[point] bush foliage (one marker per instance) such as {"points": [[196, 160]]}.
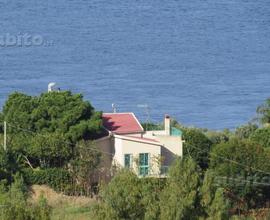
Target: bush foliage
{"points": [[57, 178], [14, 204], [45, 133], [179, 197], [50, 142]]}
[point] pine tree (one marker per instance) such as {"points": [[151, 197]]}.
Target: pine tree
{"points": [[180, 197], [212, 199]]}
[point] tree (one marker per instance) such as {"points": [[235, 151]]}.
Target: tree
{"points": [[217, 137], [1, 123], [60, 112], [43, 130], [85, 163], [50, 149], [263, 112], [197, 145], [9, 164], [14, 204], [151, 189], [180, 197], [245, 131], [240, 165], [213, 200], [122, 198], [262, 137]]}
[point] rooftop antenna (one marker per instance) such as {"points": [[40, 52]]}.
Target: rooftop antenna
{"points": [[114, 108], [51, 86]]}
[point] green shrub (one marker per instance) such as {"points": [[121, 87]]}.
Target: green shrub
{"points": [[151, 189], [197, 145], [262, 137], [121, 199], [57, 178], [42, 211], [14, 205]]}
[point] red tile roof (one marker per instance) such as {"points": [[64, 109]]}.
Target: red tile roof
{"points": [[121, 123]]}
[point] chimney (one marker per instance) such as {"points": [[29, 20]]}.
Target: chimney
{"points": [[167, 125]]}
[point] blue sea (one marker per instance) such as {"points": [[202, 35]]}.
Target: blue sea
{"points": [[204, 62]]}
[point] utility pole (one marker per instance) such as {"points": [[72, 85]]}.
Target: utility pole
{"points": [[5, 135]]}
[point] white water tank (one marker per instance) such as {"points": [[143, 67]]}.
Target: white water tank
{"points": [[52, 87]]}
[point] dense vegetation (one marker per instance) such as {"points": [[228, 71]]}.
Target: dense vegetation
{"points": [[50, 141], [14, 204], [223, 174], [185, 195]]}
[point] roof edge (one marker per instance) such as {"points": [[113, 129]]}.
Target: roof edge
{"points": [[135, 139], [137, 121]]}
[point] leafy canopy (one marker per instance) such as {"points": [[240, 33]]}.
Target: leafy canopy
{"points": [[213, 201], [179, 199], [122, 197], [240, 165], [264, 112], [262, 136], [245, 131], [197, 145], [60, 112], [43, 130]]}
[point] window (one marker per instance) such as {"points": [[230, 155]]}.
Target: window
{"points": [[144, 164], [127, 161]]}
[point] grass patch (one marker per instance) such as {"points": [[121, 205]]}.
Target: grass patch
{"points": [[64, 207], [68, 212]]}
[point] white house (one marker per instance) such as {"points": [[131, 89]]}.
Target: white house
{"points": [[147, 153]]}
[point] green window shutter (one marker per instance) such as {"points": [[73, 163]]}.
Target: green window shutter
{"points": [[144, 164]]}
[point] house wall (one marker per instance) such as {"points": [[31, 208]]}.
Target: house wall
{"points": [[115, 148], [134, 148], [172, 147], [118, 146]]}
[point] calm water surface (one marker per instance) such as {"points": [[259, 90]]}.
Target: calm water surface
{"points": [[204, 62]]}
